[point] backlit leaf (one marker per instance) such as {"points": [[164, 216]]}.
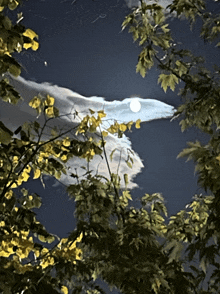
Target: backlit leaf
{"points": [[37, 173], [64, 290], [49, 100], [168, 81], [137, 124], [30, 34]]}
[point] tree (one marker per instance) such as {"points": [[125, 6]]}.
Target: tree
{"points": [[132, 249], [148, 25]]}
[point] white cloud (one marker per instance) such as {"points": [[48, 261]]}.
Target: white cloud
{"points": [[67, 101], [135, 3]]}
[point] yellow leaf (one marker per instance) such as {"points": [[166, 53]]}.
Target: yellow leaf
{"points": [[112, 129], [24, 177], [14, 185], [66, 142], [34, 45], [78, 239], [64, 157], [122, 127], [30, 34], [129, 124], [93, 127], [37, 174], [15, 159], [64, 290], [27, 45], [49, 111], [9, 194], [48, 261], [101, 114], [1, 8], [42, 239], [35, 102], [49, 101], [104, 133], [7, 52], [137, 124], [2, 224], [64, 240], [27, 169], [92, 152], [36, 253], [50, 239]]}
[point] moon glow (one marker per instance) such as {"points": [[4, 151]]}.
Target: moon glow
{"points": [[135, 105]]}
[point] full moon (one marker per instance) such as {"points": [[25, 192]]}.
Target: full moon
{"points": [[135, 105]]}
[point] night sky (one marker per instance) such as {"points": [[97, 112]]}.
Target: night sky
{"points": [[90, 55], [85, 50]]}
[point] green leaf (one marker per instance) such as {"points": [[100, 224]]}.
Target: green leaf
{"points": [[165, 29], [111, 155], [126, 179], [15, 70], [91, 111], [50, 239], [203, 264], [5, 134], [12, 4], [36, 126], [128, 164], [37, 202], [127, 195], [159, 18], [168, 81], [55, 111], [141, 69], [42, 238], [176, 252], [7, 23]]}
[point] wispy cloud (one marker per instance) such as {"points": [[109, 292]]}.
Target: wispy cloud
{"points": [[135, 3], [68, 101]]}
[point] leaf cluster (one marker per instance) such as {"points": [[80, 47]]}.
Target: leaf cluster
{"points": [[194, 233]]}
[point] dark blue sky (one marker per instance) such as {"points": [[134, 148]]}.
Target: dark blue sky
{"points": [[85, 50], [93, 57]]}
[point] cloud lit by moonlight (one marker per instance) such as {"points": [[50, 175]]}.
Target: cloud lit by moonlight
{"points": [[68, 102], [135, 3]]}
